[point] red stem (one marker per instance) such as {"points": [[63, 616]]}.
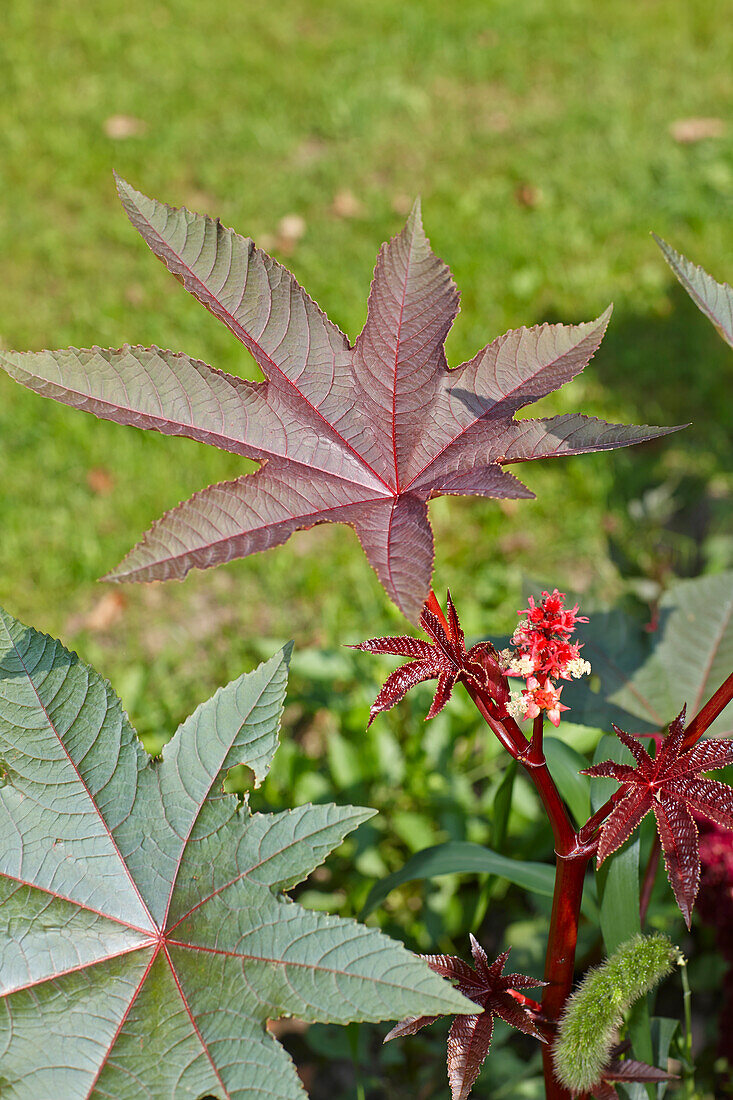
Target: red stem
{"points": [[536, 749], [715, 705], [485, 707], [516, 744], [650, 875], [560, 959]]}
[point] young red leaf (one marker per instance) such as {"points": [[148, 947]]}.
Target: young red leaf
{"points": [[445, 659], [364, 436], [670, 784], [625, 1071], [469, 1038]]}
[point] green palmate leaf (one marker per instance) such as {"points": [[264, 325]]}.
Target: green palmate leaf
{"points": [[461, 857], [144, 938], [641, 680], [714, 299], [693, 652], [364, 434]]}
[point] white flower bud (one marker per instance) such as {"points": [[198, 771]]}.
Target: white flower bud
{"points": [[577, 668], [517, 706]]}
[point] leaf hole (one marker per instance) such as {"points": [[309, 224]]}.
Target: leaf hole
{"points": [[239, 780]]}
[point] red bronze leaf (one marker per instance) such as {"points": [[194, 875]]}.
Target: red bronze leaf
{"points": [[444, 659], [470, 1036], [670, 784]]}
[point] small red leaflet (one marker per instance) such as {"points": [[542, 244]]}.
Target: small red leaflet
{"points": [[623, 1070], [445, 659], [469, 1038], [672, 785]]}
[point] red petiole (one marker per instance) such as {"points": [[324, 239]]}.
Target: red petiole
{"points": [[574, 848]]}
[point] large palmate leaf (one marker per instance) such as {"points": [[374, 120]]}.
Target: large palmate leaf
{"points": [[715, 300], [642, 679], [362, 435], [144, 938]]}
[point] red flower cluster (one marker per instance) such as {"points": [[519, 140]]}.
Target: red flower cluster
{"points": [[543, 651]]}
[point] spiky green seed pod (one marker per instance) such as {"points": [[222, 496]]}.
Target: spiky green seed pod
{"points": [[594, 1013]]}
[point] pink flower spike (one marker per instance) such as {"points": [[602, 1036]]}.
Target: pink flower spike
{"points": [[543, 652]]}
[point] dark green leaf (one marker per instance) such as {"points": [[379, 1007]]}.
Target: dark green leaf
{"points": [[502, 806], [641, 680], [462, 857]]}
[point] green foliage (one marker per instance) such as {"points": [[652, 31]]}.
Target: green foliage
{"points": [[595, 1011], [460, 858], [331, 100], [326, 91]]}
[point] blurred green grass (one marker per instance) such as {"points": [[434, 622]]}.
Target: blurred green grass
{"points": [[541, 138], [542, 146]]}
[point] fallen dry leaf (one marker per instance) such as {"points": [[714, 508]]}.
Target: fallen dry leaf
{"points": [[120, 127], [104, 614], [689, 130], [309, 151], [402, 204], [527, 195], [498, 122], [346, 205], [106, 611], [134, 294], [287, 1025], [289, 231], [100, 481]]}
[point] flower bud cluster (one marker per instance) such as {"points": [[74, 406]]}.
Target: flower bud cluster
{"points": [[543, 653]]}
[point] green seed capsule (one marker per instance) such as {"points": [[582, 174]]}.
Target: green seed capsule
{"points": [[594, 1013]]}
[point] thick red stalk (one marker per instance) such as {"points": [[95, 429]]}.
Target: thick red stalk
{"points": [[560, 959], [715, 705], [649, 876], [536, 751], [572, 860]]}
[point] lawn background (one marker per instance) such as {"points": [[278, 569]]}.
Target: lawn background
{"points": [[545, 142]]}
